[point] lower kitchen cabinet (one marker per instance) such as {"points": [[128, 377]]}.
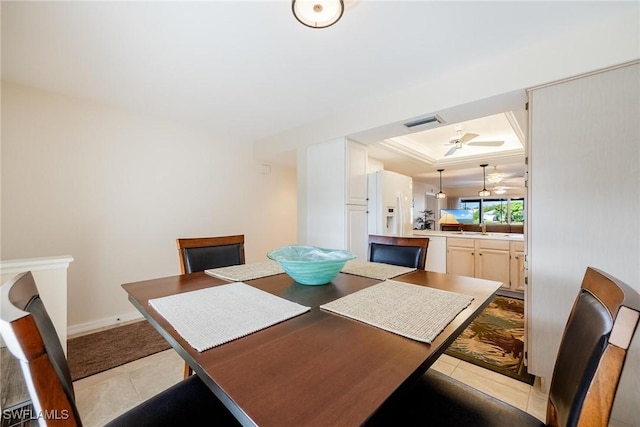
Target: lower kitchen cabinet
{"points": [[517, 266], [461, 257], [487, 259]]}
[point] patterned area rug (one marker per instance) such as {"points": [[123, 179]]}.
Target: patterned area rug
{"points": [[495, 340], [100, 351]]}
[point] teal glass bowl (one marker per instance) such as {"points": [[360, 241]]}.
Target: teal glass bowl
{"points": [[310, 265]]}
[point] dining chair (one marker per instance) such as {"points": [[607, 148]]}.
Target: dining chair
{"points": [[403, 251], [588, 368], [203, 253], [30, 336]]}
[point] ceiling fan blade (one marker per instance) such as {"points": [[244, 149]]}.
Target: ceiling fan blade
{"points": [[487, 143], [451, 151], [468, 137]]}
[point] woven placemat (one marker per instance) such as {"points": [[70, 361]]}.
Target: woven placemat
{"points": [[209, 317], [242, 272], [413, 311], [374, 270]]}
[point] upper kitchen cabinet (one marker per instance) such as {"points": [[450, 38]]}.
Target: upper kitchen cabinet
{"points": [[356, 173]]}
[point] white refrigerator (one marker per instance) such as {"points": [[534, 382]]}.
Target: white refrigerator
{"points": [[390, 199]]}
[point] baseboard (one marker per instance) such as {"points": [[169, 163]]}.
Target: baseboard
{"points": [[108, 322]]}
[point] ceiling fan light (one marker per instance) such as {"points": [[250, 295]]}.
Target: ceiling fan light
{"points": [[484, 193], [499, 190], [317, 13], [496, 176]]}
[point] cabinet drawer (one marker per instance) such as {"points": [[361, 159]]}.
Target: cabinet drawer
{"points": [[461, 243], [517, 246], [493, 244]]}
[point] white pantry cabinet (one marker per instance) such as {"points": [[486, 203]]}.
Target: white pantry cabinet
{"points": [[356, 173], [332, 193]]}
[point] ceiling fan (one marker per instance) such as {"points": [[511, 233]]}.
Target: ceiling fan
{"points": [[460, 140]]}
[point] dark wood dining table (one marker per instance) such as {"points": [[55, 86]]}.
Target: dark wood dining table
{"points": [[316, 369]]}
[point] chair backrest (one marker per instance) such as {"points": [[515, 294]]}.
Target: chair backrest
{"points": [[403, 251], [592, 351], [29, 334], [202, 253]]}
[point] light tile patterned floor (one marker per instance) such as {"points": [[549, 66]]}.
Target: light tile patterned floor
{"points": [[103, 396]]}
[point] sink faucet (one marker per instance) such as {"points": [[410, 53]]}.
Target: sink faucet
{"points": [[484, 227]]}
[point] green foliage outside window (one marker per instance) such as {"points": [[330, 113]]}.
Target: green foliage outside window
{"points": [[495, 211]]}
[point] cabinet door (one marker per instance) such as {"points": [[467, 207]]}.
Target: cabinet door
{"points": [[356, 228], [493, 264], [356, 170], [460, 261], [517, 271]]}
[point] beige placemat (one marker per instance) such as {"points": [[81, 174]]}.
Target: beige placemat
{"points": [[374, 270], [209, 317], [240, 273], [413, 311]]}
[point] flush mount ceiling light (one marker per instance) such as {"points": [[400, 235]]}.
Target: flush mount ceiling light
{"points": [[317, 13], [440, 194], [484, 192], [496, 176]]}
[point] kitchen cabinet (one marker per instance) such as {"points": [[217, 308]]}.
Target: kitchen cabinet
{"points": [[517, 266], [492, 261], [461, 257], [486, 259], [356, 228], [356, 173], [332, 196]]}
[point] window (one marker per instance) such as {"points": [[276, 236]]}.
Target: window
{"points": [[495, 211]]}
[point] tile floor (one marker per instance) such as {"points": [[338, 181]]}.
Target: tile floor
{"points": [[103, 396]]}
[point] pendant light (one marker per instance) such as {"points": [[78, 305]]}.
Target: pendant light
{"points": [[440, 194], [317, 13], [484, 192]]}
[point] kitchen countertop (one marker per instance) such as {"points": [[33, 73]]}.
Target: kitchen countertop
{"points": [[470, 235]]}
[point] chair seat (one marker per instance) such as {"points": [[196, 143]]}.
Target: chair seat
{"points": [[190, 402], [439, 400]]}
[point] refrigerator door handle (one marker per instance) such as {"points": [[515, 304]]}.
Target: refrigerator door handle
{"points": [[400, 216]]}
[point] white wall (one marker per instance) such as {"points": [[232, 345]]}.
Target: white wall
{"points": [[420, 190], [114, 190], [584, 169], [609, 42]]}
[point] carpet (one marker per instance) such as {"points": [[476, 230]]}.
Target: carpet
{"points": [[100, 351], [495, 339]]}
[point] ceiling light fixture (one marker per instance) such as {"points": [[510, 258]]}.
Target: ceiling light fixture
{"points": [[496, 176], [440, 194], [484, 192], [317, 13], [500, 190]]}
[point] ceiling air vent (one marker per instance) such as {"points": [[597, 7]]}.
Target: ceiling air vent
{"points": [[423, 121]]}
